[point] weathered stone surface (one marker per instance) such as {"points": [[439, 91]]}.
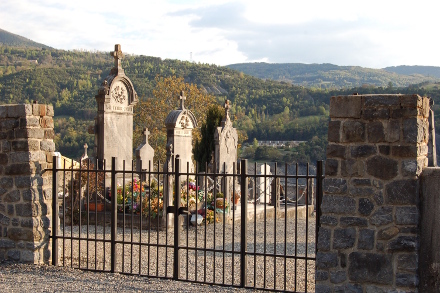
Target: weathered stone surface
{"points": [[338, 204], [329, 220], [392, 130], [13, 255], [370, 267], [331, 167], [413, 130], [47, 145], [321, 275], [382, 167], [402, 192], [405, 113], [24, 210], [346, 107], [334, 129], [353, 222], [336, 151], [6, 243], [360, 182], [338, 277], [361, 191], [13, 196], [322, 288], [352, 167], [8, 124], [374, 114], [18, 169], [4, 220], [407, 280], [407, 262], [403, 243], [353, 131], [407, 215], [6, 182], [349, 288], [362, 151], [337, 186], [366, 206], [344, 238], [37, 133], [17, 234], [324, 239], [326, 260], [374, 289], [404, 151], [411, 101], [387, 233], [381, 100], [343, 259], [375, 132], [385, 150], [378, 198], [412, 167], [382, 216], [366, 239]]}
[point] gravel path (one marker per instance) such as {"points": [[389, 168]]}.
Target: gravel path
{"points": [[158, 262]]}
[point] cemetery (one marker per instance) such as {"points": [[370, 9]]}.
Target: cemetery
{"points": [[264, 226]]}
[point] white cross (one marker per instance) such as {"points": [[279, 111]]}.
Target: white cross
{"points": [[146, 133], [182, 100], [117, 54]]}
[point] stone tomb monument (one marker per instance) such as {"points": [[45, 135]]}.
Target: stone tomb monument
{"points": [[114, 121], [180, 124], [144, 153], [226, 142]]}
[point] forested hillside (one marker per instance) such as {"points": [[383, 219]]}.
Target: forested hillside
{"points": [[329, 76], [432, 71], [261, 109]]}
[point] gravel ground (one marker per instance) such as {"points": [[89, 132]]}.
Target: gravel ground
{"points": [[157, 262]]}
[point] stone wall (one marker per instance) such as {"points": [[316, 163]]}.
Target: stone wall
{"points": [[25, 191], [369, 239]]}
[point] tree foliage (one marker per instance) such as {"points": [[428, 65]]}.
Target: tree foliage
{"points": [[205, 146]]}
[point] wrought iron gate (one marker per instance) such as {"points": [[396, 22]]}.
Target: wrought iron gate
{"points": [[249, 244]]}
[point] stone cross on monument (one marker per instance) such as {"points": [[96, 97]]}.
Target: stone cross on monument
{"points": [[182, 100], [146, 134], [118, 55], [227, 107], [85, 152]]}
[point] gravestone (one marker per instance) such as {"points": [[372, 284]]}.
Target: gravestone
{"points": [[264, 184], [180, 124], [226, 143], [114, 121], [144, 153]]}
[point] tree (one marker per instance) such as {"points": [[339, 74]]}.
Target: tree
{"points": [[151, 112], [203, 149]]}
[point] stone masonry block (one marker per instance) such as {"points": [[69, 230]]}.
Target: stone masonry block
{"points": [[334, 128], [403, 243], [3, 111], [387, 233], [413, 130], [366, 206], [366, 239], [407, 215], [353, 131], [49, 110], [324, 238], [392, 130], [321, 275], [377, 101], [375, 114], [362, 151], [376, 132], [360, 182], [29, 121], [382, 216], [336, 151], [46, 122], [42, 110], [405, 113], [3, 159], [411, 101], [329, 220], [407, 280], [325, 260], [344, 238], [17, 234], [346, 106], [338, 204], [407, 262], [47, 145], [8, 124], [402, 192], [370, 268], [37, 133], [19, 110], [36, 109], [352, 168], [338, 186], [353, 222], [18, 169], [49, 134], [361, 191], [331, 167], [338, 277], [404, 151], [382, 167]]}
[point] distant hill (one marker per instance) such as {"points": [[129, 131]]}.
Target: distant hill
{"points": [[329, 76], [14, 40], [432, 71]]}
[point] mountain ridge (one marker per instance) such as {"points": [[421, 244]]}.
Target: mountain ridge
{"points": [[11, 39]]}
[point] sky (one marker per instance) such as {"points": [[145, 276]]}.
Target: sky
{"points": [[372, 33]]}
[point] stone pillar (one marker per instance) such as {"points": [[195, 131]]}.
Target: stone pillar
{"points": [[368, 240], [26, 189]]}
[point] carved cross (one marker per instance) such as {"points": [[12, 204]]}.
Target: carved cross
{"points": [[85, 150], [117, 54], [227, 107], [182, 100], [146, 133]]}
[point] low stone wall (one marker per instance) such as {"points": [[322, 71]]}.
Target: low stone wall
{"points": [[369, 239], [26, 134]]}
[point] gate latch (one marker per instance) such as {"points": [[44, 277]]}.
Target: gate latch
{"points": [[182, 210]]}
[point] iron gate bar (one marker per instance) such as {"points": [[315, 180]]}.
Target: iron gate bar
{"points": [[296, 222], [55, 213], [176, 263], [255, 226], [114, 217], [307, 222], [285, 225], [243, 262]]}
